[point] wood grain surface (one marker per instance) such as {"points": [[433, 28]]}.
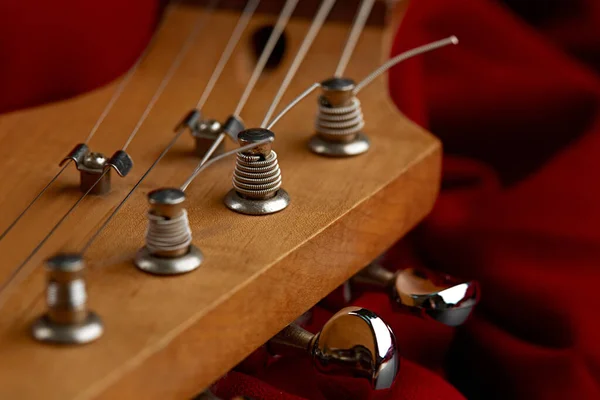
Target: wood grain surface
{"points": [[171, 337]]}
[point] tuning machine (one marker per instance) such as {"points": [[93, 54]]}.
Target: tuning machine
{"points": [[339, 121], [169, 249], [355, 352], [433, 295], [68, 321], [257, 177], [94, 168], [206, 131]]}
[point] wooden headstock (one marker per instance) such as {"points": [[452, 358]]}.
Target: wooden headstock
{"points": [[171, 337]]}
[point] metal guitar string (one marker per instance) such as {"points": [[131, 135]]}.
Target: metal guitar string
{"points": [[357, 28], [213, 160], [241, 25], [201, 166], [185, 47], [282, 21], [373, 75], [314, 29], [234, 39], [402, 57], [107, 108]]}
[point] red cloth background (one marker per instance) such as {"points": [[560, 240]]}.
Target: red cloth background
{"points": [[516, 105]]}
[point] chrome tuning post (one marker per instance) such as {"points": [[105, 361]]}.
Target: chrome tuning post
{"points": [[169, 249], [68, 321], [437, 296], [355, 344], [94, 168], [257, 177], [339, 121], [206, 132]]}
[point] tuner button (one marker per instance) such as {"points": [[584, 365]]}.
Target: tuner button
{"points": [[355, 353], [437, 296], [68, 320]]}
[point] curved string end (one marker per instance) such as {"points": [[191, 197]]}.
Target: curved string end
{"points": [[453, 39]]}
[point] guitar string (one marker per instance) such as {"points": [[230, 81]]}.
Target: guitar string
{"points": [[357, 28], [240, 27], [314, 29], [220, 157], [282, 20], [402, 57], [376, 73], [107, 108], [179, 57], [233, 41]]}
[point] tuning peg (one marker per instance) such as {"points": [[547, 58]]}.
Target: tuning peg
{"points": [[355, 348], [257, 177], [339, 121], [68, 320], [168, 249], [437, 296]]}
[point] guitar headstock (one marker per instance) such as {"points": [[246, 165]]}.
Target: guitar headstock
{"points": [[169, 337]]}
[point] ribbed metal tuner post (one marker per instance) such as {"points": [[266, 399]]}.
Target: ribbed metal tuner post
{"points": [[339, 121], [429, 294], [257, 177], [355, 344], [169, 249], [68, 320]]}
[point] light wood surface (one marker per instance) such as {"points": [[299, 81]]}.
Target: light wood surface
{"points": [[168, 338]]}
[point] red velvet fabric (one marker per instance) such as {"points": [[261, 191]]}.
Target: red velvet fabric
{"points": [[516, 105]]}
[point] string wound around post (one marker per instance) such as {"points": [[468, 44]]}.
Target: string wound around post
{"points": [[169, 249], [339, 121], [257, 178]]}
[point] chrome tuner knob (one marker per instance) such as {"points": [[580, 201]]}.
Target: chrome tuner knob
{"points": [[169, 249], [257, 178], [339, 121], [355, 353], [437, 296], [68, 321]]}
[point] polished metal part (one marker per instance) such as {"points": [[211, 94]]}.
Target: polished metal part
{"points": [[205, 136], [257, 177], [433, 295], [190, 121], [233, 126], [77, 154], [241, 205], [355, 354], [120, 162], [92, 176], [68, 320], [168, 249], [91, 170], [339, 121]]}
